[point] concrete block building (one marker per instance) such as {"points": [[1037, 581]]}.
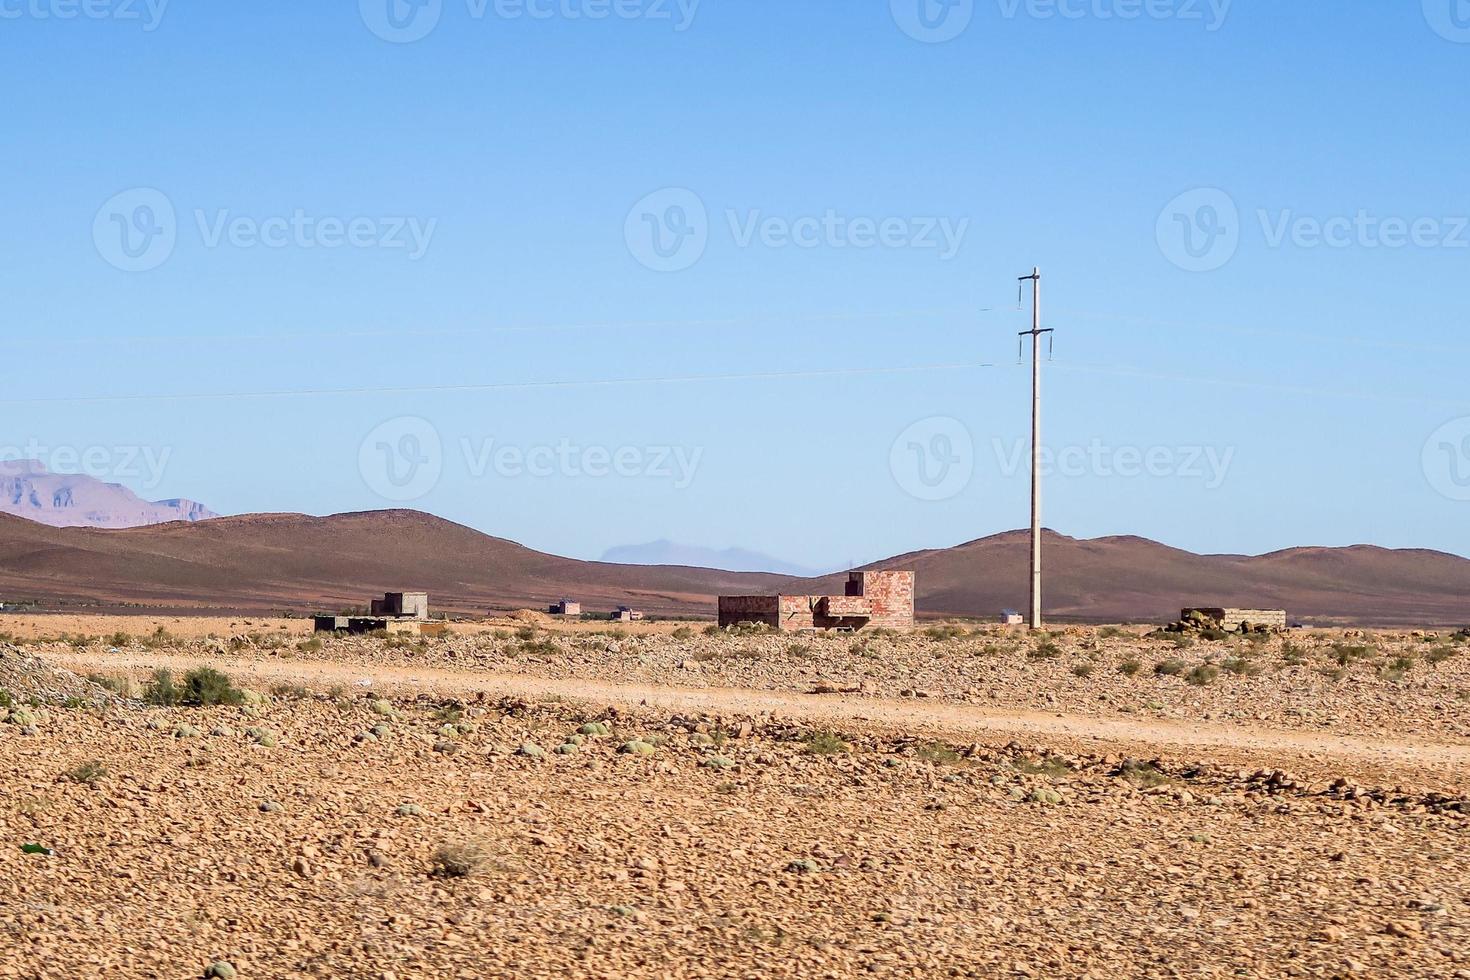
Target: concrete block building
{"points": [[869, 599], [396, 612], [402, 605]]}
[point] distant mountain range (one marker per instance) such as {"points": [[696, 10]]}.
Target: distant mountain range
{"points": [[29, 490], [694, 556], [291, 561]]}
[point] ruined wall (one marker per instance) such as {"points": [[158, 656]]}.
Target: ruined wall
{"points": [[736, 609], [889, 594], [1231, 619]]}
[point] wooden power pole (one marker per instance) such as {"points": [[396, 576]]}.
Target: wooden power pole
{"points": [[1035, 334]]}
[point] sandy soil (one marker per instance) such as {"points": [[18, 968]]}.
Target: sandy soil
{"points": [[392, 809]]}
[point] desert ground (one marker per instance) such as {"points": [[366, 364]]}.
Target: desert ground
{"points": [[516, 799]]}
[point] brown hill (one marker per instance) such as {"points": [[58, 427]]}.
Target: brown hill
{"points": [[291, 561], [1131, 578]]}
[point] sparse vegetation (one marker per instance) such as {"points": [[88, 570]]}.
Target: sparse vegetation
{"points": [[88, 773], [825, 743], [1440, 654], [458, 859], [1241, 667], [1202, 675], [203, 687], [1345, 653], [1170, 668], [1129, 667], [939, 754], [1144, 775], [1045, 649]]}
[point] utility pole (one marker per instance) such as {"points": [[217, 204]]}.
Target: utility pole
{"points": [[1035, 334]]}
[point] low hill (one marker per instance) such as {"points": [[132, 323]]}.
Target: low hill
{"points": [[292, 561]]}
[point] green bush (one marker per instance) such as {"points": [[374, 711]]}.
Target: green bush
{"points": [[1203, 675], [1129, 667], [825, 743], [203, 687], [161, 689], [1047, 649], [207, 687]]}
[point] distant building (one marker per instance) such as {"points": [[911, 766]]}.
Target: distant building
{"points": [[626, 614], [565, 607], [402, 605], [396, 612], [870, 599], [1232, 619], [1012, 618]]}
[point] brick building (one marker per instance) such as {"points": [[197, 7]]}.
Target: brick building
{"points": [[870, 599], [1232, 619]]}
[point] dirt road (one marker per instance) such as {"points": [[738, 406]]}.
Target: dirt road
{"points": [[1440, 764]]}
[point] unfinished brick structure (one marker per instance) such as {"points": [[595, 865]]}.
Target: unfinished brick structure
{"points": [[1232, 619], [870, 599]]}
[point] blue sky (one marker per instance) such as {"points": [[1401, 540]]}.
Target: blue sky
{"points": [[1249, 218]]}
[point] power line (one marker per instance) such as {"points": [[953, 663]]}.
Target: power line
{"points": [[1129, 371], [499, 386], [1274, 332], [368, 334]]}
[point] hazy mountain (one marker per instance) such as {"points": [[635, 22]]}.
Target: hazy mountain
{"points": [[29, 490], [694, 556]]}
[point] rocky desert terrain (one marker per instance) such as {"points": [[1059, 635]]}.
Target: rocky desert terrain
{"points": [[511, 800]]}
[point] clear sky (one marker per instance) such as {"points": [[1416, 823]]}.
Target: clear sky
{"points": [[431, 227]]}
